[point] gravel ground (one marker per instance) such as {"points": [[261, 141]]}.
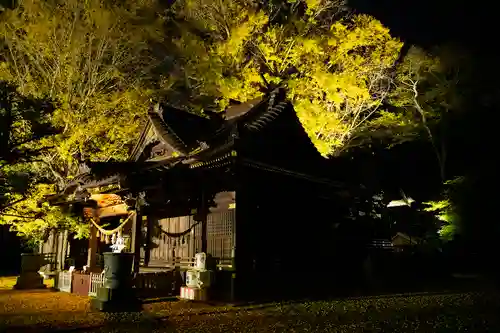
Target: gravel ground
{"points": [[47, 311], [436, 313]]}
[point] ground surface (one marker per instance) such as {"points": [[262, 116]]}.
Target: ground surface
{"points": [[48, 311]]}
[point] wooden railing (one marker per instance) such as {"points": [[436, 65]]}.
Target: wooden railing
{"points": [[157, 284], [64, 281], [181, 263], [49, 258], [96, 282], [49, 262], [185, 263]]}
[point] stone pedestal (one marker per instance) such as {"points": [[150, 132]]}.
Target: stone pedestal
{"points": [[117, 294], [30, 278]]}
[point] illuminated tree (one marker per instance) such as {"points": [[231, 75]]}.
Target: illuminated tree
{"points": [[101, 62], [24, 122], [336, 74], [94, 59]]}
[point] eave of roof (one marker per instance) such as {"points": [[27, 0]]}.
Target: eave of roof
{"points": [[253, 115]]}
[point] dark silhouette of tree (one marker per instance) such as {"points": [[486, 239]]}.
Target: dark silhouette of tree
{"points": [[24, 122], [471, 134]]}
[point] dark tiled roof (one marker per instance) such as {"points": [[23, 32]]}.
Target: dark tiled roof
{"points": [[187, 128], [186, 133], [208, 142], [238, 110], [167, 134]]}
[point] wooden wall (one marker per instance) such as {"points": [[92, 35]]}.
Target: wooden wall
{"points": [[56, 243], [220, 238], [64, 246], [164, 248]]}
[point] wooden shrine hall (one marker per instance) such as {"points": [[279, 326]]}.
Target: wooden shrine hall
{"points": [[246, 186]]}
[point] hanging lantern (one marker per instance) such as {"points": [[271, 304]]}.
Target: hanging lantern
{"points": [[113, 238], [98, 233], [107, 239]]}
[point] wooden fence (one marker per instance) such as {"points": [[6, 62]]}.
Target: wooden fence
{"points": [[158, 284], [146, 285], [154, 284], [96, 282], [64, 281]]}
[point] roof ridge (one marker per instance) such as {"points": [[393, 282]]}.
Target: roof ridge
{"points": [[134, 155], [166, 133]]}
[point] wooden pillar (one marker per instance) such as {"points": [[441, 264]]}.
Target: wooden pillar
{"points": [[136, 239], [92, 253], [53, 251], [60, 250], [65, 247], [193, 238], [148, 241], [203, 215]]}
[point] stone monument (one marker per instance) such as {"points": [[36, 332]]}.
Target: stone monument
{"points": [[30, 278]]}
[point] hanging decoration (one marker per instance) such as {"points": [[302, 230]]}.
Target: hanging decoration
{"points": [[118, 244], [178, 234], [105, 235]]}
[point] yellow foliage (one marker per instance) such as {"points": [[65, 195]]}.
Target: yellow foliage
{"points": [[239, 34], [94, 61], [338, 72], [313, 4], [89, 58], [30, 219]]}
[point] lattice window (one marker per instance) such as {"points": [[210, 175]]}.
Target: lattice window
{"points": [[220, 235]]}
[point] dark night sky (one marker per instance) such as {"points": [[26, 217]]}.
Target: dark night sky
{"points": [[431, 23]]}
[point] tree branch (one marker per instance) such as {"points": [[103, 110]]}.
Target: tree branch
{"points": [[428, 130], [23, 217], [12, 204], [56, 174]]}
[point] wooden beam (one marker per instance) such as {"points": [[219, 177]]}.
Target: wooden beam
{"points": [[121, 209]]}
